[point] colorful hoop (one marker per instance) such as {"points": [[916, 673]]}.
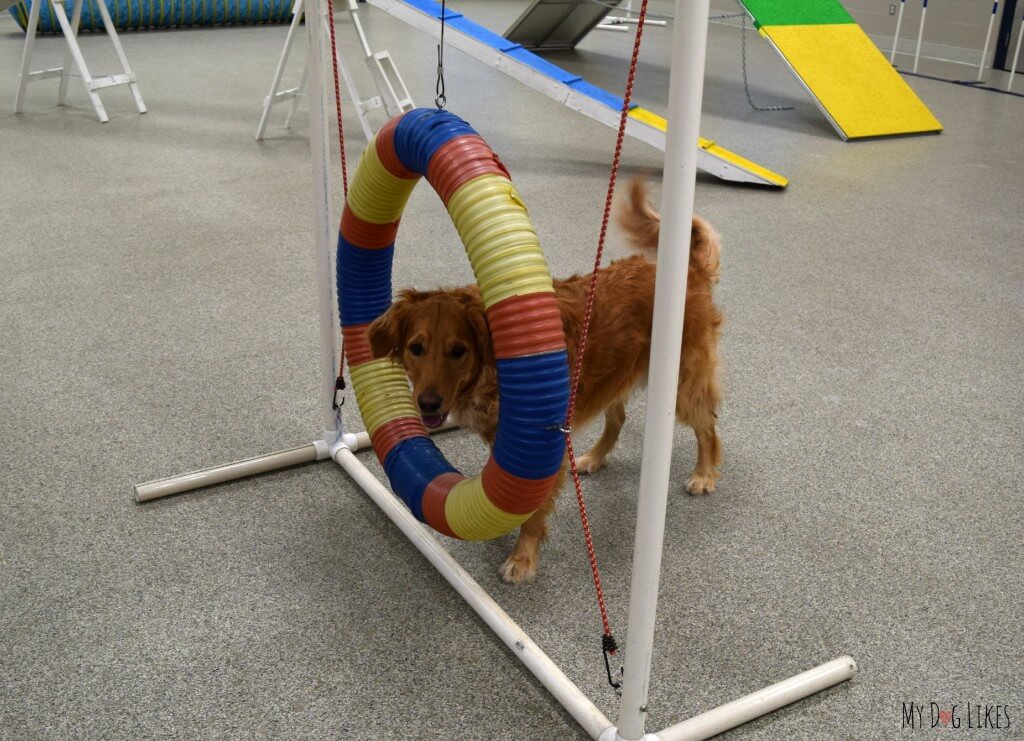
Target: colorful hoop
{"points": [[519, 300]]}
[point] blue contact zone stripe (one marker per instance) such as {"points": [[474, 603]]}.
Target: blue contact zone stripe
{"points": [[364, 282], [601, 96], [478, 32], [543, 66], [411, 466], [422, 131], [534, 398]]}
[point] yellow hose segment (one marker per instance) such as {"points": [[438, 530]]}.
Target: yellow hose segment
{"points": [[382, 392], [375, 195], [471, 515], [500, 240]]}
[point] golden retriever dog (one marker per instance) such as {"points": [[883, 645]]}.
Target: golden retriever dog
{"points": [[441, 339]]}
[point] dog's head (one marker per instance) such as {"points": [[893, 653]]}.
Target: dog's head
{"points": [[441, 339]]}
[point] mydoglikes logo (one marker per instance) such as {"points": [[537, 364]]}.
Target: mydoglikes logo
{"points": [[966, 716]]}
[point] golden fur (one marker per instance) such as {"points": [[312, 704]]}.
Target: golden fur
{"points": [[441, 339]]}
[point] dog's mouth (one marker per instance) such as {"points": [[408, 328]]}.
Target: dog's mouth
{"points": [[433, 421]]}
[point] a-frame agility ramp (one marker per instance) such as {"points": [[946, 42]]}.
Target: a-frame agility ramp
{"points": [[567, 88], [853, 84]]}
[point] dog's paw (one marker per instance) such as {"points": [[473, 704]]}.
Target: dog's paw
{"points": [[699, 485], [589, 464], [518, 569]]}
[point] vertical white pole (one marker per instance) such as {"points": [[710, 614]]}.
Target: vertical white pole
{"points": [[896, 36], [920, 33], [988, 35], [319, 140], [686, 87], [1016, 56]]}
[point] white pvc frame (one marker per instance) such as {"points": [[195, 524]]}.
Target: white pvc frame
{"points": [[687, 72]]}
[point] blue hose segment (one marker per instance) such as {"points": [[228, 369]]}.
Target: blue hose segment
{"points": [[422, 131], [135, 14], [411, 466], [364, 282], [534, 397]]}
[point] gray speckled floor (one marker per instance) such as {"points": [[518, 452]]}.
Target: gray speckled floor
{"points": [[156, 316]]}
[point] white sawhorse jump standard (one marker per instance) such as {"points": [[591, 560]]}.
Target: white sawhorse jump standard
{"points": [[74, 55], [392, 95], [684, 107]]}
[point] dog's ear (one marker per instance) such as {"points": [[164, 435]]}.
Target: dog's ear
{"points": [[388, 330], [473, 312]]}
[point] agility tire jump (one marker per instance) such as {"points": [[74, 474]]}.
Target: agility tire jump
{"points": [[519, 300]]}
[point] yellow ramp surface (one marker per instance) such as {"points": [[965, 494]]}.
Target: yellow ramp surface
{"points": [[851, 80]]}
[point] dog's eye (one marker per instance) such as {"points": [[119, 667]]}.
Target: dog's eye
{"points": [[458, 351], [416, 348]]}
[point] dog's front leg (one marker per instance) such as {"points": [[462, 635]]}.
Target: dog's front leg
{"points": [[522, 564]]}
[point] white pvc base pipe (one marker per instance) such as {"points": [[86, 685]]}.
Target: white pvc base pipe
{"points": [[519, 643], [315, 451], [590, 718], [760, 703], [311, 453]]}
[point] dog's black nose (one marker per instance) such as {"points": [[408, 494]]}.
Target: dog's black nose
{"points": [[430, 403]]}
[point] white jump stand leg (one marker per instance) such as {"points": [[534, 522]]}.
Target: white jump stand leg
{"points": [[295, 102], [920, 34], [896, 34], [1016, 56], [276, 93], [988, 36], [74, 61], [393, 96], [26, 56]]}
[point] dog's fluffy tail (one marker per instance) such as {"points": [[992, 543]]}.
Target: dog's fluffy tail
{"points": [[642, 225]]}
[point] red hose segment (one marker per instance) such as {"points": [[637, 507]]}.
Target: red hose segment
{"points": [[460, 160], [525, 325], [357, 345], [434, 498], [391, 433]]}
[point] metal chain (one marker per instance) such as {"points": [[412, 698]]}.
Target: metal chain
{"points": [[746, 85], [614, 5]]}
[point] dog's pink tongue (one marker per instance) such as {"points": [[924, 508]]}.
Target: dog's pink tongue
{"points": [[433, 420]]}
